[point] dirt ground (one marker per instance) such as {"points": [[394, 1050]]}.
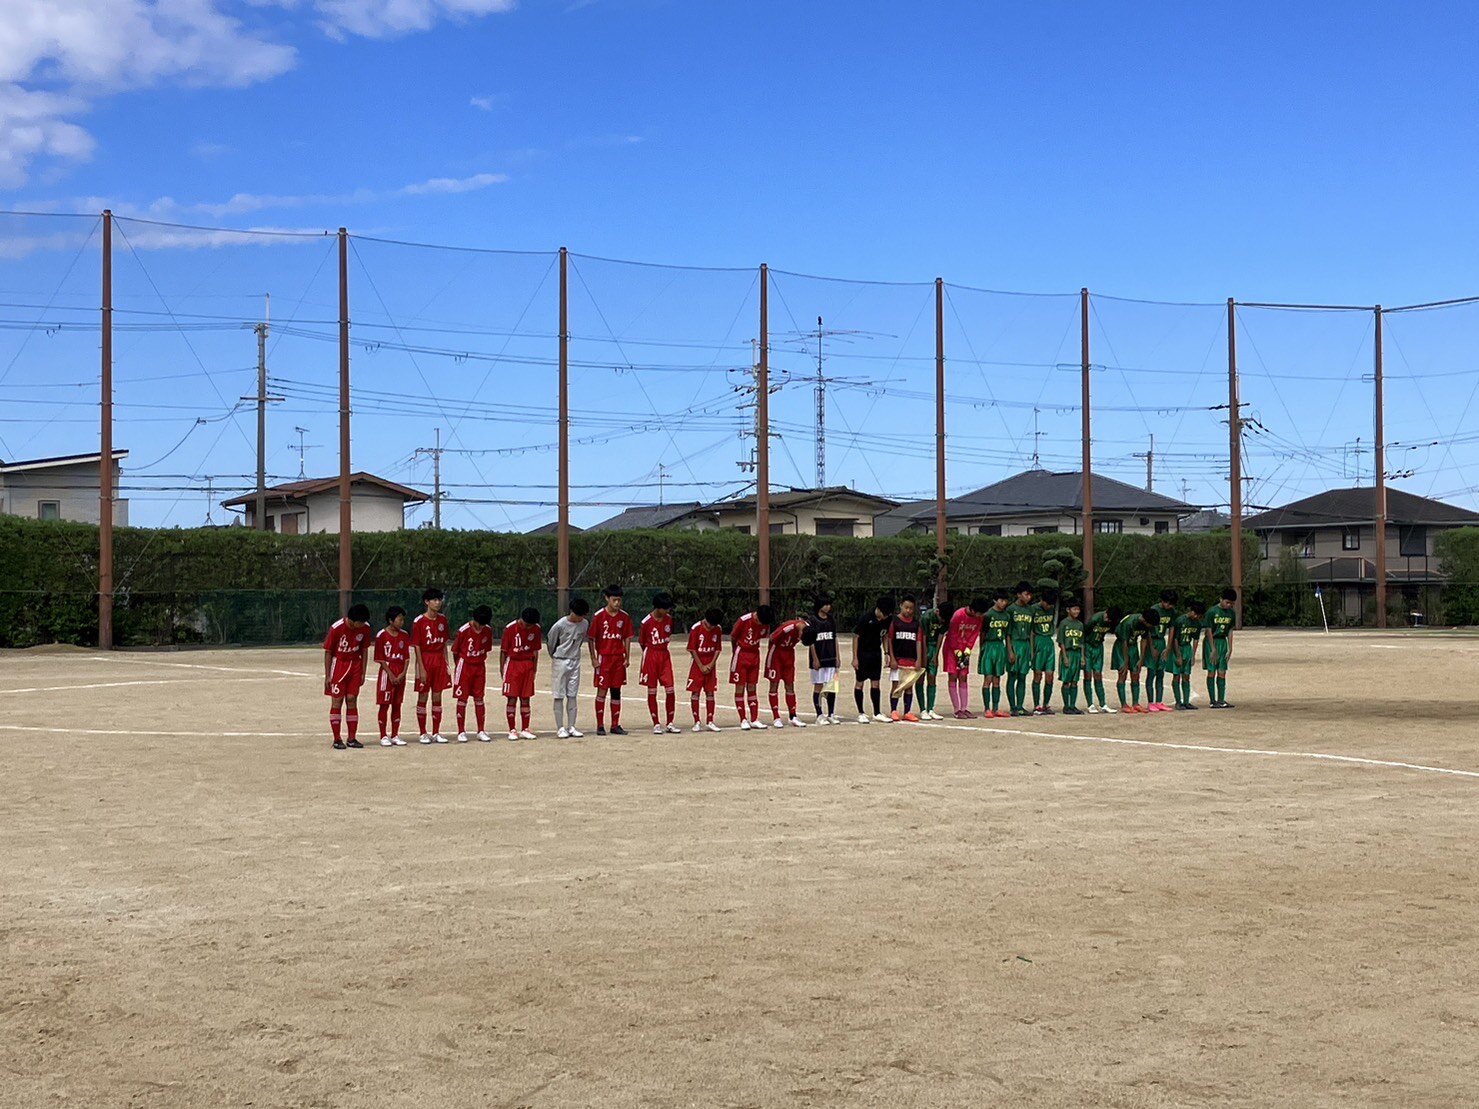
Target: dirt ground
{"points": [[201, 904]]}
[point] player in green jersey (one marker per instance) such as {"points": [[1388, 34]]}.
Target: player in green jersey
{"points": [[1096, 628], [1019, 649], [1222, 619], [1188, 631], [1158, 659], [995, 630], [931, 631], [1071, 655], [1130, 636], [1044, 652]]}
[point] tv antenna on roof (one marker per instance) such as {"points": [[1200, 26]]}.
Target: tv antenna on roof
{"points": [[302, 448]]}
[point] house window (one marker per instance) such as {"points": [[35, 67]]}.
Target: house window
{"points": [[48, 510], [1046, 529], [1350, 539], [1109, 527], [777, 529], [290, 521], [1162, 527], [1414, 541], [844, 529], [989, 529], [1145, 521]]}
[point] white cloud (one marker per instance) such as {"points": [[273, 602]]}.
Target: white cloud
{"points": [[58, 57], [489, 103], [449, 185]]}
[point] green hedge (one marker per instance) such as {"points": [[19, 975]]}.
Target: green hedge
{"points": [[1458, 561], [231, 585]]}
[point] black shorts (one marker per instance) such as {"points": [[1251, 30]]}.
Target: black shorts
{"points": [[870, 669]]}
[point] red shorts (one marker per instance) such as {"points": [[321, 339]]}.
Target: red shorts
{"points": [[611, 671], [434, 677], [746, 669], [347, 675], [518, 678], [782, 668], [699, 682], [657, 670], [469, 680], [388, 692]]}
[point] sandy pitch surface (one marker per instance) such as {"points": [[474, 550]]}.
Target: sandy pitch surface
{"points": [[881, 915]]}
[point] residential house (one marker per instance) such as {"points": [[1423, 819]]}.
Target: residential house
{"points": [[63, 488], [312, 506], [834, 511]]}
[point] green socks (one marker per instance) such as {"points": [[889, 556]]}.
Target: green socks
{"points": [[1099, 689], [1211, 688], [1222, 687], [1119, 687], [1135, 692], [1036, 692], [1047, 691], [929, 698]]}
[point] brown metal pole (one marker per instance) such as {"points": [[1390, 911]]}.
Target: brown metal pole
{"points": [[346, 561], [940, 435], [1088, 462], [562, 557], [105, 450], [1381, 485], [762, 438], [1235, 454]]}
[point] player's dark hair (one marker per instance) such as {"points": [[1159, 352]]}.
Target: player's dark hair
{"points": [[1048, 596], [979, 604], [392, 612], [1116, 614], [821, 602], [611, 591], [1023, 587], [1229, 594], [1199, 607], [580, 606], [483, 614], [360, 614], [908, 597], [432, 594], [662, 601], [766, 614], [1170, 596], [1000, 595], [884, 605], [1151, 617], [530, 615], [1072, 602], [714, 616]]}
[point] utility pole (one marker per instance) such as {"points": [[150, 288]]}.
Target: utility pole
{"points": [[346, 517], [1088, 455], [762, 439], [262, 399], [435, 454], [939, 436], [1149, 457], [821, 399], [105, 449], [210, 498], [562, 524], [1235, 454], [662, 473], [1379, 447], [1036, 458]]}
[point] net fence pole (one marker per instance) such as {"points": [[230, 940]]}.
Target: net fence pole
{"points": [[1088, 456], [940, 435], [762, 438], [562, 529], [1381, 479], [105, 448], [1235, 456], [346, 563]]}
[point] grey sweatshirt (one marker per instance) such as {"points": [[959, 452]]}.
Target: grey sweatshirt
{"points": [[566, 639]]}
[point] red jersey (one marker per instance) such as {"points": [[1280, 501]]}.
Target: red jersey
{"points": [[747, 634], [654, 633], [705, 641], [611, 633], [392, 648], [965, 629], [473, 644], [521, 641], [784, 639], [429, 633], [345, 640]]}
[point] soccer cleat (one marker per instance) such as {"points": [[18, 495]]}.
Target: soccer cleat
{"points": [[338, 745], [744, 724], [1093, 709], [658, 729], [1189, 707], [895, 716], [617, 729], [513, 736], [880, 717], [823, 720], [386, 741], [1073, 712], [576, 734], [835, 719], [398, 741], [1049, 710], [797, 722], [563, 733], [463, 737], [673, 729], [437, 737], [600, 729], [1109, 709], [424, 738], [779, 723], [527, 734], [712, 726], [910, 718], [864, 718], [1038, 710], [484, 737], [697, 726], [354, 743]]}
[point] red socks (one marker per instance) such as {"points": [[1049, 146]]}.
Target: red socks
{"points": [[352, 719], [461, 716], [395, 721], [481, 710], [421, 717], [383, 714], [693, 703], [509, 712], [524, 713], [775, 703], [652, 704], [436, 719], [710, 699], [334, 718], [600, 710]]}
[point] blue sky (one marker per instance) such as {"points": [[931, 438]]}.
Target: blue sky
{"points": [[1162, 151]]}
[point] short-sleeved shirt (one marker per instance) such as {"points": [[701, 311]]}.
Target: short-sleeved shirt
{"points": [[611, 633], [473, 643], [1043, 622], [705, 641], [1096, 629], [392, 648], [429, 633], [1071, 635], [903, 639], [1162, 627], [1021, 626], [1221, 621], [747, 633], [783, 641], [998, 625], [654, 633], [931, 624], [1187, 628], [521, 641], [869, 630], [1131, 627], [345, 640], [821, 636]]}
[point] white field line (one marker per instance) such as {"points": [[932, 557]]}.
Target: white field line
{"points": [[115, 685], [200, 735], [126, 660]]}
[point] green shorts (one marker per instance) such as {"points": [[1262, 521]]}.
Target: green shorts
{"points": [[1070, 667], [1022, 663], [1126, 656], [993, 660], [1094, 659], [1158, 660], [932, 659], [1215, 655], [1184, 661], [1044, 654]]}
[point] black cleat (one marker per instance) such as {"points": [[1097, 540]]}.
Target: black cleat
{"points": [[1048, 710], [338, 745], [1228, 706], [355, 743], [617, 729], [1073, 712], [601, 731]]}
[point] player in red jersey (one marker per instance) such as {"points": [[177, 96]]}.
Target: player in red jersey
{"points": [[345, 647], [657, 660], [610, 641], [429, 638], [392, 652], [518, 659], [744, 662], [705, 641], [780, 669], [470, 651]]}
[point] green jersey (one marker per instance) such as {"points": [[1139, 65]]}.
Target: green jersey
{"points": [[1043, 622], [1096, 629], [1162, 628], [1221, 621], [1188, 628], [930, 625], [1021, 622], [1071, 636], [996, 625], [1132, 627]]}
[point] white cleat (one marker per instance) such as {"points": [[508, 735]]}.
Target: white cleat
{"points": [[823, 720], [398, 741], [438, 738], [1109, 709], [424, 738], [484, 737], [697, 726], [527, 734], [673, 729], [576, 734], [513, 735], [563, 733], [713, 727], [797, 722], [779, 723], [864, 718], [386, 741], [744, 724], [1093, 709], [882, 718], [835, 719], [463, 737], [658, 729]]}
